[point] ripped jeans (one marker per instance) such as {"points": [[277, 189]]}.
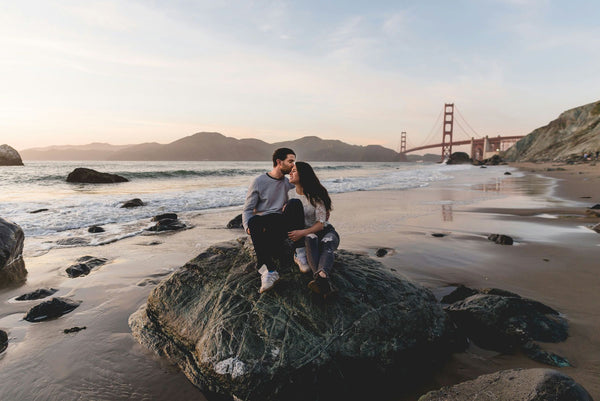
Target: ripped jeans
{"points": [[320, 248]]}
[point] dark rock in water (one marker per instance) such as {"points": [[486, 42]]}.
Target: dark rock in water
{"points": [[132, 203], [381, 252], [89, 176], [71, 241], [596, 206], [285, 344], [504, 323], [56, 307], [95, 229], [38, 211], [236, 222], [501, 239], [438, 235], [514, 385], [3, 340], [84, 265], [493, 161], [459, 158], [9, 156], [461, 292], [160, 217], [37, 294], [74, 329], [168, 225], [533, 351], [507, 173], [12, 266]]}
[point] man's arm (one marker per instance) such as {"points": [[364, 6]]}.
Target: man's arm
{"points": [[250, 204]]}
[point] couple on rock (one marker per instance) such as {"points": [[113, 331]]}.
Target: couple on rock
{"points": [[297, 208]]}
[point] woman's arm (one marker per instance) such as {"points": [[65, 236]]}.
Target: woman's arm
{"points": [[299, 234]]}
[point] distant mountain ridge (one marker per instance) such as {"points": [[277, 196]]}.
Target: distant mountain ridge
{"points": [[213, 146], [574, 132]]}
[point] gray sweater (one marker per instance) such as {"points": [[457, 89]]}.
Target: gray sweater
{"points": [[266, 195]]}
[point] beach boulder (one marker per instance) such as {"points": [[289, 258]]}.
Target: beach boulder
{"points": [[501, 239], [159, 217], [459, 158], [168, 225], [96, 229], [514, 385], [236, 222], [3, 340], [136, 202], [89, 176], [12, 266], [287, 344], [56, 307], [9, 156]]}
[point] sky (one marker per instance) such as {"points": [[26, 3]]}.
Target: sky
{"points": [[125, 72]]}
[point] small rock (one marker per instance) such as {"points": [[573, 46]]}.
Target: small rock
{"points": [[165, 216], [95, 229], [438, 235], [56, 307], [533, 351], [168, 225], [507, 173], [381, 252], [482, 167], [501, 239], [74, 329], [89, 176], [38, 211], [3, 340], [133, 203], [84, 265], [596, 206], [236, 222], [37, 294]]}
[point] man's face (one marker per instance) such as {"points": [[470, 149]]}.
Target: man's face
{"points": [[286, 165]]}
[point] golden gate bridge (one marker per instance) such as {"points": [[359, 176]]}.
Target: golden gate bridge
{"points": [[482, 147]]}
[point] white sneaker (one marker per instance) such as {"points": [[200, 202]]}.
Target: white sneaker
{"points": [[268, 280], [300, 260]]}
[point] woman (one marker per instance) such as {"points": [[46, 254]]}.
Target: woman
{"points": [[320, 238]]}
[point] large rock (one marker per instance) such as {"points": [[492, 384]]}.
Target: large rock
{"points": [[287, 344], [37, 294], [9, 156], [514, 385], [89, 176], [459, 158], [12, 266]]}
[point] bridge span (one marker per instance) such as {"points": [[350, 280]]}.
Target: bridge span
{"points": [[481, 148]]}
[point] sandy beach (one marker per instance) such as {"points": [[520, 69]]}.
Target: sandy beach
{"points": [[554, 261]]}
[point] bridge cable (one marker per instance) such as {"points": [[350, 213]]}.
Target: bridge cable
{"points": [[464, 132], [468, 125], [430, 136]]}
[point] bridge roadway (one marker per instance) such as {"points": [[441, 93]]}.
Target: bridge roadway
{"points": [[466, 142]]}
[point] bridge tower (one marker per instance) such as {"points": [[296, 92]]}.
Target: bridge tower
{"points": [[447, 129], [403, 142]]}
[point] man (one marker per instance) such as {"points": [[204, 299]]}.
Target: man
{"points": [[262, 216]]}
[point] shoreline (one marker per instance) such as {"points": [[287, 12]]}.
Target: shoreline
{"points": [[552, 262]]}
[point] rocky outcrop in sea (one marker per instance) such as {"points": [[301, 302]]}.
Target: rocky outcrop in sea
{"points": [[90, 176], [12, 266], [287, 344], [9, 156]]}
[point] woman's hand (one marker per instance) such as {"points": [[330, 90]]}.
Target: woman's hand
{"points": [[296, 235]]}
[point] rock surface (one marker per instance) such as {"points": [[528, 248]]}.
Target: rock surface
{"points": [[136, 202], [56, 307], [236, 222], [459, 158], [514, 385], [501, 239], [9, 156], [286, 344], [12, 266], [84, 266], [37, 294], [168, 225], [95, 229], [503, 321], [89, 176], [165, 216], [3, 340]]}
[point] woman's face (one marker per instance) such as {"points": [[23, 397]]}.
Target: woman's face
{"points": [[294, 176]]}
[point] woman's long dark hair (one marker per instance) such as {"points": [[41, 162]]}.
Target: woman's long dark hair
{"points": [[311, 185]]}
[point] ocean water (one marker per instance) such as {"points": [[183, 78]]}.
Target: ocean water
{"points": [[178, 187]]}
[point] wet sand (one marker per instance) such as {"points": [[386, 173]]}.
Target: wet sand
{"points": [[554, 261]]}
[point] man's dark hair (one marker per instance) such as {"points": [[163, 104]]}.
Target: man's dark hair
{"points": [[281, 154]]}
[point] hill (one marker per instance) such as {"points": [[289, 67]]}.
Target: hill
{"points": [[574, 132], [212, 146]]}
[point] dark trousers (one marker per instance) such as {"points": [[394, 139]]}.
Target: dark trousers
{"points": [[270, 230]]}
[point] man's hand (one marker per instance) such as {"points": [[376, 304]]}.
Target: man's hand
{"points": [[248, 231], [296, 235]]}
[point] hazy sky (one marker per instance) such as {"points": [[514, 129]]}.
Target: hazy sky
{"points": [[75, 72]]}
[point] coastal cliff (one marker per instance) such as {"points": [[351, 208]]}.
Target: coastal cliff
{"points": [[574, 132]]}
